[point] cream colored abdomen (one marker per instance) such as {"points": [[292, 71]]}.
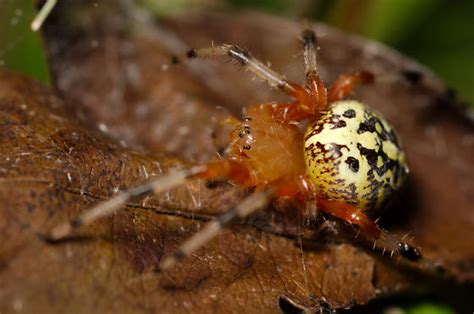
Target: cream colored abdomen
{"points": [[353, 155]]}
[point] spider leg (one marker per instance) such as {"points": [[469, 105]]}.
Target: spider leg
{"points": [[245, 59], [315, 84], [341, 88], [382, 238], [313, 98], [308, 38], [309, 100], [221, 168], [249, 205], [293, 186]]}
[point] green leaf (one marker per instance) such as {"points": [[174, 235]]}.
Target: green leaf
{"points": [[429, 308], [390, 20], [445, 43], [21, 49]]}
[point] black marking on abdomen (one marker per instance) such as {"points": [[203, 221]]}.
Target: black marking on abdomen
{"points": [[353, 163], [338, 124], [335, 149], [368, 125], [349, 113]]}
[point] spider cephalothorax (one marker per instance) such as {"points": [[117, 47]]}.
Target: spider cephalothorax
{"points": [[347, 160]]}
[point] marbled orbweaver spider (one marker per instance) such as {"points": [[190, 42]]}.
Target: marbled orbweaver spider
{"points": [[319, 148]]}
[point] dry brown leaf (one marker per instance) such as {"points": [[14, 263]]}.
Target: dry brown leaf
{"points": [[55, 163]]}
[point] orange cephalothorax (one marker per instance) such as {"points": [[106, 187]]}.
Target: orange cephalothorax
{"points": [[270, 148]]}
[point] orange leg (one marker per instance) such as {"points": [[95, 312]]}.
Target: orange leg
{"points": [[308, 102], [292, 112], [341, 88], [304, 106], [351, 215], [382, 239], [311, 99], [227, 169], [294, 187], [315, 84]]}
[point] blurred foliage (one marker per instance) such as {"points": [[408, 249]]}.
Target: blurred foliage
{"points": [[20, 48], [439, 34], [444, 41], [428, 308]]}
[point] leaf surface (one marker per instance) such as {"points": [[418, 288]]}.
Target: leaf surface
{"points": [[121, 121]]}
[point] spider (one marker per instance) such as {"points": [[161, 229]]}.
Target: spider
{"points": [[317, 149]]}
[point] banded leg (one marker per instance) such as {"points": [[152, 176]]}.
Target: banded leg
{"points": [[382, 239], [297, 187], [308, 38], [341, 88], [249, 205], [315, 84], [245, 59], [217, 169], [312, 100]]}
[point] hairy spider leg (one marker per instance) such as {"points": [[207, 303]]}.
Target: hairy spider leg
{"points": [[309, 100], [341, 88], [216, 169], [292, 187], [245, 59], [252, 203], [383, 240], [308, 38], [314, 82], [319, 97], [301, 188]]}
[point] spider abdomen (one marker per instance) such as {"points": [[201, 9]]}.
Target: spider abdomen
{"points": [[354, 156]]}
